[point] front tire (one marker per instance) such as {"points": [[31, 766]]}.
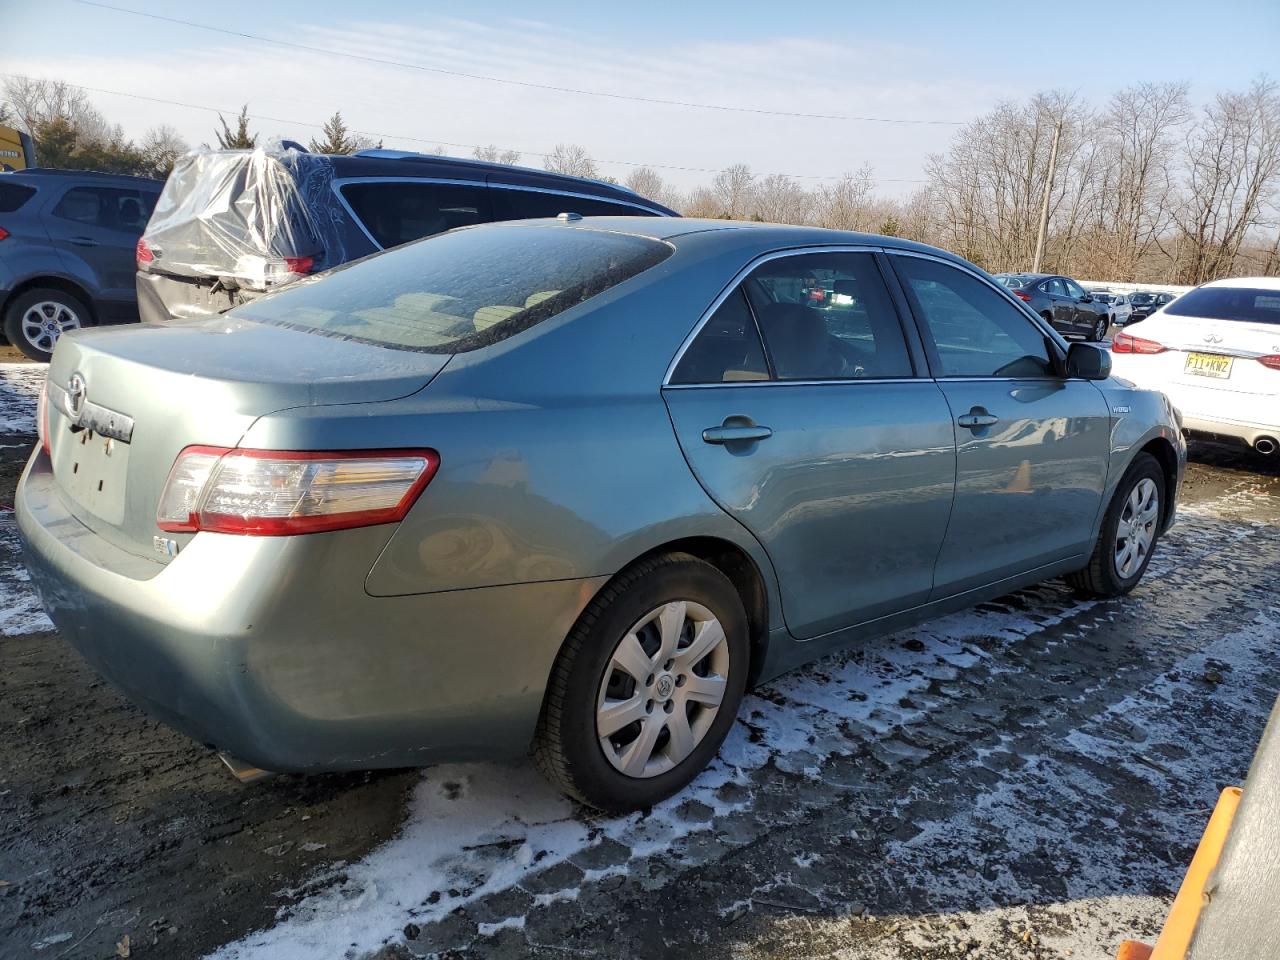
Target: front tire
{"points": [[37, 318], [1130, 532], [647, 685]]}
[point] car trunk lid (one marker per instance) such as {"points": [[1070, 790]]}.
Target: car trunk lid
{"points": [[1213, 353], [124, 403]]}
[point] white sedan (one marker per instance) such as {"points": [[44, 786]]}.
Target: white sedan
{"points": [[1215, 352]]}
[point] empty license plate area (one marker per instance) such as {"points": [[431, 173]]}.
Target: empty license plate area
{"points": [[92, 470]]}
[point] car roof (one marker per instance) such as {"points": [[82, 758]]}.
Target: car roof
{"points": [[1263, 283], [37, 175], [764, 235]]}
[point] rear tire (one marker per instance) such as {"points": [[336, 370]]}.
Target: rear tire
{"points": [[1100, 327], [1132, 523], [35, 319], [627, 719]]}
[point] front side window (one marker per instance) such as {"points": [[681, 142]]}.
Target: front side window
{"points": [[827, 316], [108, 207], [461, 290], [727, 349], [975, 331], [396, 212]]}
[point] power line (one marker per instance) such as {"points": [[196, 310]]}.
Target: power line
{"points": [[578, 91], [444, 143]]}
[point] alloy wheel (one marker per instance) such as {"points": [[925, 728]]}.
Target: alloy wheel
{"points": [[662, 689], [45, 321], [1136, 527]]}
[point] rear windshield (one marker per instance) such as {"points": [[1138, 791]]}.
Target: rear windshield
{"points": [[13, 196], [1247, 304], [461, 290], [1013, 283]]}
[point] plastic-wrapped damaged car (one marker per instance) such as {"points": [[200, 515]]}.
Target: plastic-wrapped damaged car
{"points": [[233, 224]]}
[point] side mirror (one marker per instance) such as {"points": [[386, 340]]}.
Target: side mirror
{"points": [[1085, 361]]}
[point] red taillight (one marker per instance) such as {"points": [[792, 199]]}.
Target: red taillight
{"points": [[1126, 343], [142, 252], [299, 264], [4, 234], [274, 493], [1022, 295], [1272, 361]]}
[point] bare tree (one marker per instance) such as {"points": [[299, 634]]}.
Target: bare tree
{"points": [[646, 182], [160, 149], [734, 191], [844, 205], [37, 102], [571, 159], [779, 199], [1233, 175], [495, 154]]}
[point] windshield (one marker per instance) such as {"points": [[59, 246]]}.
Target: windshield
{"points": [[1141, 298], [460, 290], [1246, 304]]}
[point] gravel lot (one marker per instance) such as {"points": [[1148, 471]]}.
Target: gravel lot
{"points": [[1025, 780]]}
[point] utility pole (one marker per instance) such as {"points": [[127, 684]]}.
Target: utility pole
{"points": [[1044, 206]]}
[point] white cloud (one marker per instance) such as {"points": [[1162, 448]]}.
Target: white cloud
{"points": [[784, 73]]}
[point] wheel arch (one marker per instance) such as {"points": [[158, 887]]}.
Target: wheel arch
{"points": [[743, 572], [62, 284], [1162, 449]]}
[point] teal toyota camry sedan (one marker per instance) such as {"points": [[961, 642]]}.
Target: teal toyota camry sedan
{"points": [[569, 487]]}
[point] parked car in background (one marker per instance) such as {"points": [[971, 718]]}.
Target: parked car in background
{"points": [[1143, 304], [1118, 308], [1215, 351], [1062, 302], [67, 240], [569, 483], [232, 224]]}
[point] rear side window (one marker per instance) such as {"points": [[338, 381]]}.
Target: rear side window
{"points": [[396, 212], [112, 208], [511, 204], [460, 290], [727, 348], [13, 196], [1246, 304], [976, 332]]}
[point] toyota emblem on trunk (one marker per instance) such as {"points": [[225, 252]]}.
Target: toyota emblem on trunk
{"points": [[77, 393]]}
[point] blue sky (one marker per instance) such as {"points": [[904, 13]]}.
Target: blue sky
{"points": [[923, 60]]}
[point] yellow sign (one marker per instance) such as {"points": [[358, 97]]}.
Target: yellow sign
{"points": [[13, 155]]}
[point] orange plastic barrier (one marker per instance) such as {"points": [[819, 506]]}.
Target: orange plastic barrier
{"points": [[1179, 926]]}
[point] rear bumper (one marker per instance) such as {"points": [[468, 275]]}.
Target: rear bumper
{"points": [[269, 648]]}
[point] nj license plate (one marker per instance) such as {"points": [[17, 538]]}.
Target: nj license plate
{"points": [[1208, 365]]}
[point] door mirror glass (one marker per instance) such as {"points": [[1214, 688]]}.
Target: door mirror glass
{"points": [[1088, 362]]}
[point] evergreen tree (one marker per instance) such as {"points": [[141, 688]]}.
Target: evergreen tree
{"points": [[242, 139]]}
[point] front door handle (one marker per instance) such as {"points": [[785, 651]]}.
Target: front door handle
{"points": [[735, 430], [976, 419]]}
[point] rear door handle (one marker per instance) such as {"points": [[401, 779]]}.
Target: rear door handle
{"points": [[84, 241], [976, 419], [736, 433]]}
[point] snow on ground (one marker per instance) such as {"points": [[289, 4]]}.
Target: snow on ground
{"points": [[20, 609], [19, 387], [473, 830]]}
